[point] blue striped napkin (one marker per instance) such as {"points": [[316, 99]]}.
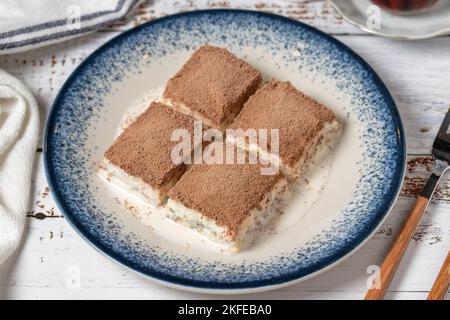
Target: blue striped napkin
{"points": [[28, 24]]}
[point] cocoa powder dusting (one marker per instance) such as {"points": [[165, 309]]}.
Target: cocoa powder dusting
{"points": [[214, 83], [144, 149], [225, 193], [279, 105]]}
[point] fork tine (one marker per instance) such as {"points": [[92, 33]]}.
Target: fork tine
{"points": [[445, 124], [441, 145]]}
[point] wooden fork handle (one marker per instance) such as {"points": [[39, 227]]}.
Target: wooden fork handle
{"points": [[392, 260], [440, 286]]}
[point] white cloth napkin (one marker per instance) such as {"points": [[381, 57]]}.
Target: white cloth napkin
{"points": [[28, 24], [19, 129]]}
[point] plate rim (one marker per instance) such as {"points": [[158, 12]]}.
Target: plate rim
{"points": [[181, 283], [424, 36]]}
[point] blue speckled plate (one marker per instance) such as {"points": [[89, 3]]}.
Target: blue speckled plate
{"points": [[358, 185]]}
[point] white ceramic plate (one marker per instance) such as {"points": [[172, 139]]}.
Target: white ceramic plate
{"points": [[359, 184]]}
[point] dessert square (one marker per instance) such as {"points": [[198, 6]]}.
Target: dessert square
{"points": [[212, 86], [139, 161], [226, 203], [304, 125]]}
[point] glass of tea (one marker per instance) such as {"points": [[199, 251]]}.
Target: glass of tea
{"points": [[405, 6]]}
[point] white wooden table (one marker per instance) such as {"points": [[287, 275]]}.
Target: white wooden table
{"points": [[52, 254]]}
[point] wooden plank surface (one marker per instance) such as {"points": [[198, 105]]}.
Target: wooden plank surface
{"points": [[417, 73], [316, 13]]}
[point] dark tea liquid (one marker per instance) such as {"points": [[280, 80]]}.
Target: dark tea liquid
{"points": [[405, 6]]}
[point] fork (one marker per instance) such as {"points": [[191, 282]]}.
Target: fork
{"points": [[441, 155]]}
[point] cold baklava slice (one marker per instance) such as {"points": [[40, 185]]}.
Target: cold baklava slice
{"points": [[140, 160], [212, 86], [227, 203], [304, 127]]}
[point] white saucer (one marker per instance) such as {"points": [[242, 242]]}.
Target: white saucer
{"points": [[433, 23]]}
